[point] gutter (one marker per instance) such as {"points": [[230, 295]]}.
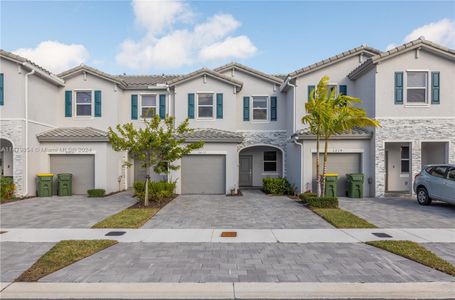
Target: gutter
{"points": [[26, 128], [54, 79]]}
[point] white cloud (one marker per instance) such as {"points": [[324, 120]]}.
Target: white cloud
{"points": [[163, 46], [55, 56], [441, 32]]}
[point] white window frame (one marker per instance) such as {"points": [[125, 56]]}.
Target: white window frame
{"points": [[267, 101], [405, 89], [92, 104], [405, 159], [275, 161], [213, 106], [141, 106]]}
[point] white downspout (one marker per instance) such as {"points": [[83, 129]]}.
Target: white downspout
{"points": [[294, 123], [26, 130], [301, 165]]}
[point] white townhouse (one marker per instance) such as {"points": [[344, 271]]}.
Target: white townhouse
{"points": [[249, 121]]}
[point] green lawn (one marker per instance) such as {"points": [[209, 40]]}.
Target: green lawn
{"points": [[341, 218], [128, 218], [417, 253], [63, 254]]}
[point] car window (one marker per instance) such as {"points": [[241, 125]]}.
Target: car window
{"points": [[428, 170], [451, 174], [439, 171]]}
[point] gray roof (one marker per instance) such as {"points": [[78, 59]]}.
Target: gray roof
{"points": [[334, 59], [73, 134], [356, 134], [48, 75], [257, 73], [418, 43], [144, 81], [205, 71], [93, 71], [211, 135]]}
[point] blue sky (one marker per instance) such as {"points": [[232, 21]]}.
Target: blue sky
{"points": [[273, 36]]}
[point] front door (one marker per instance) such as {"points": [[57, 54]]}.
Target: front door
{"points": [[246, 171]]}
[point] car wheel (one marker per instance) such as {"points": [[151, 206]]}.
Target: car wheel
{"points": [[422, 196]]}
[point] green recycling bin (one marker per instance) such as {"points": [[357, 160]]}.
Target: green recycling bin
{"points": [[44, 184], [330, 189], [355, 185], [65, 184]]}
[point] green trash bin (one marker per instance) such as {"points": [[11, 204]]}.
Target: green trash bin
{"points": [[331, 185], [355, 185], [44, 184], [65, 184]]}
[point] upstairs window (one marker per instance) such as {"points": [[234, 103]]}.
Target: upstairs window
{"points": [[205, 105], [260, 108], [148, 106], [269, 161], [416, 88], [84, 103], [405, 159]]}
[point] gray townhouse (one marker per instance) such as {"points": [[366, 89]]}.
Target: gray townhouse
{"points": [[248, 119]]}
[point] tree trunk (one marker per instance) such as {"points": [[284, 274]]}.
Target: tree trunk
{"points": [[146, 197], [324, 168], [318, 177]]}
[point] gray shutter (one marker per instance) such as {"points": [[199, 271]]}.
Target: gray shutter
{"points": [[310, 90], [343, 89], [219, 106], [273, 108], [246, 108], [2, 89], [68, 103], [435, 85], [162, 107], [133, 107], [190, 106], [97, 103], [398, 87]]}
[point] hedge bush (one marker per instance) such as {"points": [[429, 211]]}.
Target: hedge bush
{"points": [[306, 195], [96, 193], [276, 186], [7, 188], [158, 190], [321, 202]]}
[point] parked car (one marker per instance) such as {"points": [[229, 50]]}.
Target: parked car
{"points": [[435, 182]]}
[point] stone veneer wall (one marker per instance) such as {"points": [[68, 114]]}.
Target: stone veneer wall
{"points": [[14, 132], [415, 131], [264, 138]]}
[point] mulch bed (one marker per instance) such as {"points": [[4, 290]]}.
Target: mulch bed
{"points": [[154, 204]]}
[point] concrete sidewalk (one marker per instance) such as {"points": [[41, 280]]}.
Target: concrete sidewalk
{"points": [[420, 235], [251, 290]]}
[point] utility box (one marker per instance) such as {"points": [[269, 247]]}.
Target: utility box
{"points": [[65, 184], [355, 185], [44, 183], [330, 189]]}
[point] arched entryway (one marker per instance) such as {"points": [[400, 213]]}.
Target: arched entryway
{"points": [[6, 158], [259, 161]]}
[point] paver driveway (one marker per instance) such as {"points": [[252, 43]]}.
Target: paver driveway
{"points": [[254, 210], [401, 212], [62, 212]]}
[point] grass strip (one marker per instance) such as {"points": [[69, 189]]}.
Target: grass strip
{"points": [[341, 218], [61, 255], [417, 253], [128, 218]]}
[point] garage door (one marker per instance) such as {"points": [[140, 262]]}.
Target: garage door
{"points": [[204, 174], [81, 166], [139, 173], [341, 163]]}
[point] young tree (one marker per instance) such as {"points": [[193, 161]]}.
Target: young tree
{"points": [[157, 146]]}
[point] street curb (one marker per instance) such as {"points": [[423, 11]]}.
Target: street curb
{"points": [[229, 290]]}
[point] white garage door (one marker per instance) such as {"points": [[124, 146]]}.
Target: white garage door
{"points": [[204, 174], [342, 164], [81, 166]]}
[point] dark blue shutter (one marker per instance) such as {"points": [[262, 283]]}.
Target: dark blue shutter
{"points": [[273, 108], [68, 103], [246, 108], [435, 85], [343, 89], [162, 107], [2, 89], [219, 106], [97, 103], [398, 87], [310, 90], [133, 107], [190, 106]]}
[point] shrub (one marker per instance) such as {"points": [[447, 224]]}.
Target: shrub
{"points": [[7, 188], [276, 186], [322, 202], [96, 192], [306, 195], [158, 190]]}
